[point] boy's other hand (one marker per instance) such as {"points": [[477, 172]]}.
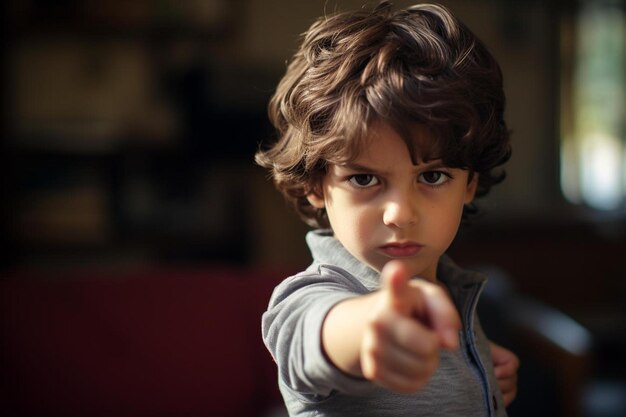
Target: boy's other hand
{"points": [[412, 320], [505, 365]]}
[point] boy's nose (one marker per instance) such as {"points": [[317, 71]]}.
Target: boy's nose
{"points": [[400, 211]]}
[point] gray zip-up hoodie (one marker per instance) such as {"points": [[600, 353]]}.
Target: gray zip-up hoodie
{"points": [[463, 385]]}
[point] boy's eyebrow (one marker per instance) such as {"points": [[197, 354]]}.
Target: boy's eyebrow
{"points": [[360, 168], [435, 164]]}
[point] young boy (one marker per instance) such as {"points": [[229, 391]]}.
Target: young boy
{"points": [[390, 123]]}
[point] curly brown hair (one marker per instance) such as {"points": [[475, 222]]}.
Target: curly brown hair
{"points": [[418, 66]]}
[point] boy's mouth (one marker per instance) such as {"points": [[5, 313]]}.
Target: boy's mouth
{"points": [[401, 250]]}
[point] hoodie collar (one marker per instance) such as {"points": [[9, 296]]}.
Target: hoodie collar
{"points": [[327, 250]]}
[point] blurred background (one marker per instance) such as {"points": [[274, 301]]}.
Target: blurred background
{"points": [[128, 135]]}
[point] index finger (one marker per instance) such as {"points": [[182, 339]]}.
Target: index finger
{"points": [[395, 280]]}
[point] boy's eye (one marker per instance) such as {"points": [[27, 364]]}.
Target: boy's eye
{"points": [[434, 177], [363, 180]]}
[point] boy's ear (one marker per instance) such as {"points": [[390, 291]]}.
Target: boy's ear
{"points": [[472, 185], [316, 197]]}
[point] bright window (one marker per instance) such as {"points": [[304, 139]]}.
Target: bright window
{"points": [[593, 101]]}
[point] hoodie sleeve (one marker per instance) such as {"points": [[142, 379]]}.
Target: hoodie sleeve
{"points": [[292, 327]]}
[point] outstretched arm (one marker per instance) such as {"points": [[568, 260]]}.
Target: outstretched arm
{"points": [[392, 336], [505, 364]]}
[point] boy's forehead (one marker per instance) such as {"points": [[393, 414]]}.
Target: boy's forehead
{"points": [[420, 140]]}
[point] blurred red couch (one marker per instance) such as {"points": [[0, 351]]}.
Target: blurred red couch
{"points": [[150, 342]]}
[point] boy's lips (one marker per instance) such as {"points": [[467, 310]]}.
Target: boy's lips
{"points": [[401, 250]]}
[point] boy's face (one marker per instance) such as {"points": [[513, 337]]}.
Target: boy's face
{"points": [[382, 207]]}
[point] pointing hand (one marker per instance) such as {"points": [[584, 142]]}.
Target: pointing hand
{"points": [[412, 320]]}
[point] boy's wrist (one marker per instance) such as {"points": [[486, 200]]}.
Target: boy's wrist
{"points": [[343, 330]]}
